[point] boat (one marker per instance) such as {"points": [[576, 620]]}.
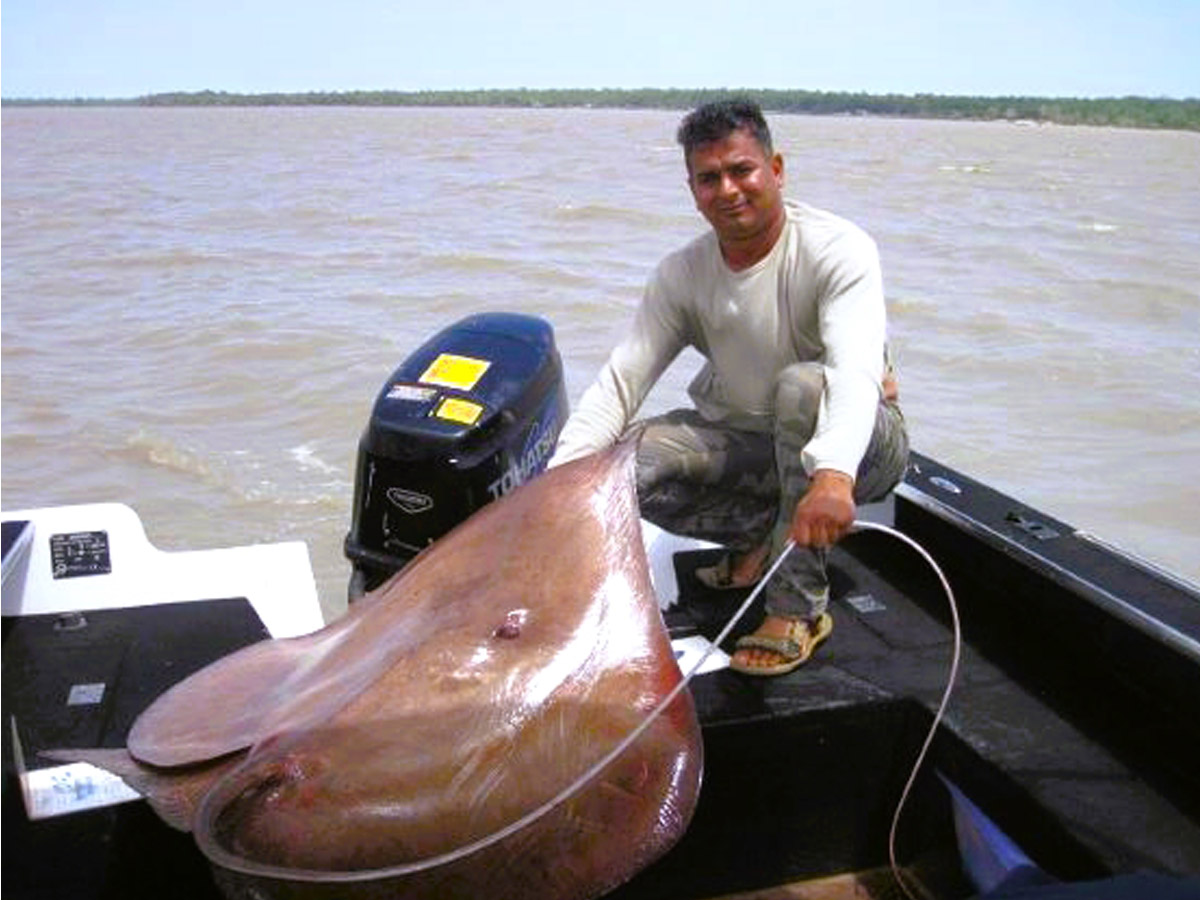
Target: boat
{"points": [[1048, 687]]}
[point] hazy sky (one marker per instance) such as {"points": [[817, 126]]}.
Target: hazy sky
{"points": [[126, 48]]}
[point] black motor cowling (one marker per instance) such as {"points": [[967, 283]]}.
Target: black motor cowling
{"points": [[470, 415]]}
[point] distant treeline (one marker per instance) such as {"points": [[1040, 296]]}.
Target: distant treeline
{"points": [[1126, 112]]}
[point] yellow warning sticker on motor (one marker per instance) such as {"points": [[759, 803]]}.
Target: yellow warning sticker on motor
{"points": [[455, 410], [452, 371]]}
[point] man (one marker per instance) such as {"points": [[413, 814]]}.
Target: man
{"points": [[795, 418]]}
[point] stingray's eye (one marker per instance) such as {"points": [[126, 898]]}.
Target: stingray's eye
{"points": [[511, 628]]}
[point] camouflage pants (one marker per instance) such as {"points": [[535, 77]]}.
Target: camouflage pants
{"points": [[739, 488]]}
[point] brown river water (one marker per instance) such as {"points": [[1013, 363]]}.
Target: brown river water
{"points": [[199, 305]]}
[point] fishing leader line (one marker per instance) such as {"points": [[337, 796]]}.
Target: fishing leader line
{"points": [[951, 677]]}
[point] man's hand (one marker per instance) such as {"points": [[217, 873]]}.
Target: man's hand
{"points": [[826, 512], [891, 387]]}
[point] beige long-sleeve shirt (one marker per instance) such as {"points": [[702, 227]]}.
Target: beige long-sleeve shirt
{"points": [[817, 296]]}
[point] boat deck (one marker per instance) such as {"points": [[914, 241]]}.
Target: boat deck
{"points": [[1085, 760], [1075, 731]]}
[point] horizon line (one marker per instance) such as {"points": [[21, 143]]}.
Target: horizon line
{"points": [[184, 93]]}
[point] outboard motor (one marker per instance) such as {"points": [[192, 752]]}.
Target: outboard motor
{"points": [[472, 414]]}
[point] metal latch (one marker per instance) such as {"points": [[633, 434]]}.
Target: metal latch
{"points": [[1039, 530]]}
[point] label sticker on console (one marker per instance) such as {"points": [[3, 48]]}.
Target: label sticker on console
{"points": [[86, 694], [80, 554]]}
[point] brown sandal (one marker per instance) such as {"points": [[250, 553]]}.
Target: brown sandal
{"points": [[794, 649]]}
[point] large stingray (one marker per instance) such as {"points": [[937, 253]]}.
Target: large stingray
{"points": [[395, 752]]}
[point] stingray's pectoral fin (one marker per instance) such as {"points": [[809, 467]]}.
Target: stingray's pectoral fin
{"points": [[223, 708]]}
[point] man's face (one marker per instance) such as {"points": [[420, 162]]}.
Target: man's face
{"points": [[737, 188]]}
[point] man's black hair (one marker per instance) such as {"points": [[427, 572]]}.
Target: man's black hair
{"points": [[719, 119]]}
